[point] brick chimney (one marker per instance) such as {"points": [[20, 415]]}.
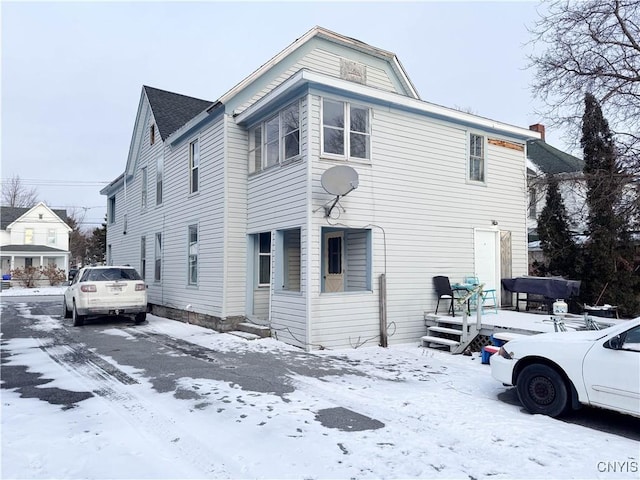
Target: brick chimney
{"points": [[538, 127]]}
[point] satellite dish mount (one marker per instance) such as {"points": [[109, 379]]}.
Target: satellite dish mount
{"points": [[339, 181]]}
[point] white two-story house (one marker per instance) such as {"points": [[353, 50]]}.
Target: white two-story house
{"points": [[33, 237], [293, 197]]}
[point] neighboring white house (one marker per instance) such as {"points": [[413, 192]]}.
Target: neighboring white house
{"points": [[33, 237], [543, 159], [225, 206]]}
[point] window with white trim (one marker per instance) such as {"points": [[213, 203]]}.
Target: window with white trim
{"points": [[143, 188], [159, 179], [157, 274], [143, 257], [28, 236], [476, 158], [194, 165], [111, 210], [51, 236], [276, 140], [193, 255], [346, 130]]}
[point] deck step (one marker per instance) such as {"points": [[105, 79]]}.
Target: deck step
{"points": [[451, 331], [439, 340]]}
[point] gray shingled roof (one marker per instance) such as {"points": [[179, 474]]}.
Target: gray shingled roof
{"points": [[30, 248], [8, 215], [172, 110], [552, 160]]}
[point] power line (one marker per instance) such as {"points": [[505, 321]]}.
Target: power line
{"points": [[57, 183]]}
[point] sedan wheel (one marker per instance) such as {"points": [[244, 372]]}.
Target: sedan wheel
{"points": [[541, 389], [78, 320]]}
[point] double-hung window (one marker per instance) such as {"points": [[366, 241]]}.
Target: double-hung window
{"points": [[476, 158], [143, 257], [28, 236], [51, 236], [143, 188], [193, 255], [346, 130], [276, 140], [159, 178], [157, 274], [111, 210], [194, 165]]}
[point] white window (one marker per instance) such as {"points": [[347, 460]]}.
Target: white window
{"points": [[476, 158], [193, 255], [533, 202], [159, 177], [143, 188], [152, 134], [143, 257], [111, 210], [157, 274], [28, 236], [346, 130], [264, 259], [51, 236], [275, 141], [194, 164]]}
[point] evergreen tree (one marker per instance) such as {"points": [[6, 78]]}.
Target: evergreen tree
{"points": [[560, 251], [97, 244], [608, 246]]}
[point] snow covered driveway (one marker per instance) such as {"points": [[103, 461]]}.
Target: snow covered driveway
{"points": [[170, 400]]}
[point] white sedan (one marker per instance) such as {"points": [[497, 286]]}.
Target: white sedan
{"points": [[553, 372], [107, 290]]}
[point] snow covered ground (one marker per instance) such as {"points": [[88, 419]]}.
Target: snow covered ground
{"points": [[443, 416]]}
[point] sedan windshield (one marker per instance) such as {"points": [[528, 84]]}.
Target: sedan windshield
{"points": [[111, 274]]}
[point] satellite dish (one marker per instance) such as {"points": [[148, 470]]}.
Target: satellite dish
{"points": [[339, 180]]}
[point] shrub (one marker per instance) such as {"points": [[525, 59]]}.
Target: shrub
{"points": [[55, 275], [26, 277]]}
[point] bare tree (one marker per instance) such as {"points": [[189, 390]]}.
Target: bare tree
{"points": [[592, 47], [16, 194]]}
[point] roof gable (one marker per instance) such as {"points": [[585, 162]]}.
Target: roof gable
{"points": [[172, 110], [10, 215], [552, 160]]}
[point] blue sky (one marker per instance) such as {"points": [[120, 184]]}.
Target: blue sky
{"points": [[72, 72]]}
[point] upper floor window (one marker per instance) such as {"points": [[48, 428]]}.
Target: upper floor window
{"points": [[28, 236], [194, 165], [476, 158], [159, 178], [143, 188], [276, 140], [111, 210], [143, 257], [533, 202], [51, 236], [346, 130], [152, 134]]}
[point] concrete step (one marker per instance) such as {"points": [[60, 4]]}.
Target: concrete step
{"points": [[261, 331], [245, 335]]}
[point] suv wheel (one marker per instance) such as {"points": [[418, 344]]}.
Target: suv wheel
{"points": [[65, 311], [78, 320]]}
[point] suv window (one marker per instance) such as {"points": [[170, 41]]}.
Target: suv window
{"points": [[111, 274]]}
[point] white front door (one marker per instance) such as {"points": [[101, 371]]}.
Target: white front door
{"points": [[486, 253], [333, 262]]}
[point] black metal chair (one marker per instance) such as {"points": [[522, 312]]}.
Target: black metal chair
{"points": [[444, 291]]}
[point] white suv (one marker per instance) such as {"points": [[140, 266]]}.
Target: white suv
{"points": [[108, 290]]}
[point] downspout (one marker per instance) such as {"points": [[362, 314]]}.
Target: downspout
{"points": [[310, 234]]}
